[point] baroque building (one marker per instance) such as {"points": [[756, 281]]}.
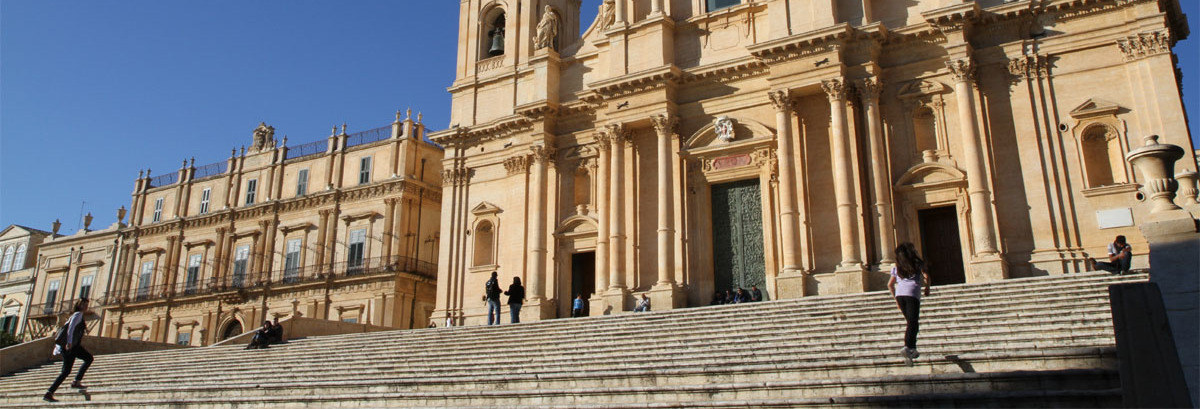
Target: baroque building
{"points": [[681, 147], [344, 228], [18, 256]]}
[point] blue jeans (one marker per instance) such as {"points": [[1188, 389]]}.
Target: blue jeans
{"points": [[514, 310], [493, 312]]}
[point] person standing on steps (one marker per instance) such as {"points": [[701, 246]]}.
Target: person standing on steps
{"points": [[516, 298], [71, 343], [577, 307], [492, 295], [909, 278]]}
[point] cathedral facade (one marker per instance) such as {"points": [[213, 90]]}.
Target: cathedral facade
{"points": [[679, 148]]}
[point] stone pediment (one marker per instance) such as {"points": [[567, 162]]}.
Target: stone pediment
{"points": [[577, 224], [1095, 107], [712, 136], [485, 208], [920, 88], [930, 174]]}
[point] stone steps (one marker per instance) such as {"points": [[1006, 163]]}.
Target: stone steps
{"points": [[1028, 340]]}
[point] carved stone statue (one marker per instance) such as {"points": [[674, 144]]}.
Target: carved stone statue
{"points": [[55, 226], [547, 30], [607, 15], [121, 214], [723, 126], [87, 221], [264, 137]]}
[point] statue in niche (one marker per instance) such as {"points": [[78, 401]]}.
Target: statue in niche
{"points": [[264, 137], [547, 30], [723, 127], [607, 15]]}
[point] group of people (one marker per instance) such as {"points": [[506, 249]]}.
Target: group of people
{"points": [[491, 294], [269, 333], [737, 296]]}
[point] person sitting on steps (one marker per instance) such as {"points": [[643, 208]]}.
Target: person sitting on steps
{"points": [[643, 305], [755, 294], [262, 337], [1120, 257]]}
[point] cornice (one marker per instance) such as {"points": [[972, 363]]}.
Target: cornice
{"points": [[801, 45], [474, 135], [637, 82]]}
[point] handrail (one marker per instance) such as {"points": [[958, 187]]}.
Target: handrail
{"points": [[369, 136], [212, 169], [308, 149], [166, 179]]}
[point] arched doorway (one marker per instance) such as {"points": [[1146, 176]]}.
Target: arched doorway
{"points": [[232, 329]]}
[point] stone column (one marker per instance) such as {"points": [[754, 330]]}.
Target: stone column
{"points": [[321, 229], [616, 210], [843, 182], [603, 144], [388, 230], [619, 11], [656, 7], [536, 269], [963, 72], [664, 126], [881, 183], [785, 151], [219, 255]]}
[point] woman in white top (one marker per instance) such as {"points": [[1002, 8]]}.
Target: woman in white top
{"points": [[72, 348], [909, 278]]}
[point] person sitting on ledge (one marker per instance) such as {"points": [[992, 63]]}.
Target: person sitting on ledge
{"points": [[755, 294], [1120, 257], [262, 337], [643, 305], [730, 297], [275, 334], [718, 298]]}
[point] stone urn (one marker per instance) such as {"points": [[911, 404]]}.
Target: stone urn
{"points": [[1156, 164]]}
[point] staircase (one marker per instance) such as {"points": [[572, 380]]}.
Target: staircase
{"points": [[1023, 342]]}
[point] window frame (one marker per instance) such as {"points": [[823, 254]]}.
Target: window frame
{"points": [[85, 283], [7, 263], [356, 249], [205, 199], [192, 278], [158, 208], [291, 259], [712, 5], [302, 182], [364, 170], [241, 261], [251, 191]]}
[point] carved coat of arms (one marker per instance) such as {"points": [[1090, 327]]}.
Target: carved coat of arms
{"points": [[723, 126]]}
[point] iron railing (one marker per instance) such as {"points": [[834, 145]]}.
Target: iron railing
{"points": [[166, 179], [210, 170], [66, 307], [308, 149], [369, 136]]}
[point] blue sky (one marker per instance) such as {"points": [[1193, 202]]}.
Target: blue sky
{"points": [[93, 91]]}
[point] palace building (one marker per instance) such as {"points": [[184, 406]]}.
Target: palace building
{"points": [[344, 228], [678, 148]]}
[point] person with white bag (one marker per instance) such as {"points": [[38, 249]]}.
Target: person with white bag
{"points": [[68, 343]]}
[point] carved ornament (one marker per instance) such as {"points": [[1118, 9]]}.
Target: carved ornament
{"points": [[518, 164], [1029, 66], [1146, 44], [665, 124], [834, 88], [962, 70], [869, 89]]}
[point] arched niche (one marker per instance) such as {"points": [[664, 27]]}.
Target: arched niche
{"points": [[493, 21], [485, 236], [1101, 144]]}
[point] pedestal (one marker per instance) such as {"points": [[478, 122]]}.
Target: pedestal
{"points": [[986, 268], [617, 300], [665, 297], [851, 278], [790, 284], [535, 310]]}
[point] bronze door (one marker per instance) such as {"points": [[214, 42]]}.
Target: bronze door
{"points": [[738, 257]]}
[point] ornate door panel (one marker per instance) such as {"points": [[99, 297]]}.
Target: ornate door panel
{"points": [[738, 257]]}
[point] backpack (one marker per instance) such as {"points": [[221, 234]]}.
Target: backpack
{"points": [[60, 338]]}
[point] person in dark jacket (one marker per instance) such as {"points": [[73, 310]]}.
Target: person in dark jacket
{"points": [[262, 337], [275, 335], [516, 297], [755, 293], [71, 343], [718, 298], [491, 294]]}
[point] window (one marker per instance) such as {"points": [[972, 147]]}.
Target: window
{"points": [[193, 274], [492, 36], [8, 324], [364, 170], [350, 320], [184, 338], [251, 190], [158, 204], [19, 262], [714, 5], [291, 261], [302, 182], [205, 195], [485, 242], [144, 280], [8, 260], [51, 296], [240, 257], [354, 254], [85, 286]]}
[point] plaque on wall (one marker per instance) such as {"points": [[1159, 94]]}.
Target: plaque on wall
{"points": [[1114, 218]]}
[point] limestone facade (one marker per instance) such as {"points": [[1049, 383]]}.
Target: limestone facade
{"points": [[677, 147], [343, 228], [18, 256], [70, 267]]}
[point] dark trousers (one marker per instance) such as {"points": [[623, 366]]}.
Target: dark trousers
{"points": [[69, 361], [911, 307], [1121, 266], [576, 312], [514, 310]]}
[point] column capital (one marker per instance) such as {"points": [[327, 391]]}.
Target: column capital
{"points": [[781, 99], [391, 201], [869, 89], [834, 88], [665, 124], [962, 70], [617, 133], [603, 141], [517, 164], [541, 154], [1145, 44], [324, 212]]}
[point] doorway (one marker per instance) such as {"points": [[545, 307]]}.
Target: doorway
{"points": [[940, 245], [232, 329], [738, 257], [583, 277]]}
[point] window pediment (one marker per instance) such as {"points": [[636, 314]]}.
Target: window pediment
{"points": [[485, 208], [1095, 107]]}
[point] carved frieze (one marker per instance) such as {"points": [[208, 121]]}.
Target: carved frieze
{"points": [[456, 176], [962, 70], [1029, 66], [518, 164]]}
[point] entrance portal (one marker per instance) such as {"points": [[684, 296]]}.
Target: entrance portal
{"points": [[233, 329], [583, 277], [738, 257], [941, 246]]}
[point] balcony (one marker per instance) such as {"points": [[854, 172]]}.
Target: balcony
{"points": [[278, 278]]}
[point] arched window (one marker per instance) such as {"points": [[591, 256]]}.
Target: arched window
{"points": [[925, 129], [1102, 159], [485, 244], [491, 41], [6, 266], [19, 261]]}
